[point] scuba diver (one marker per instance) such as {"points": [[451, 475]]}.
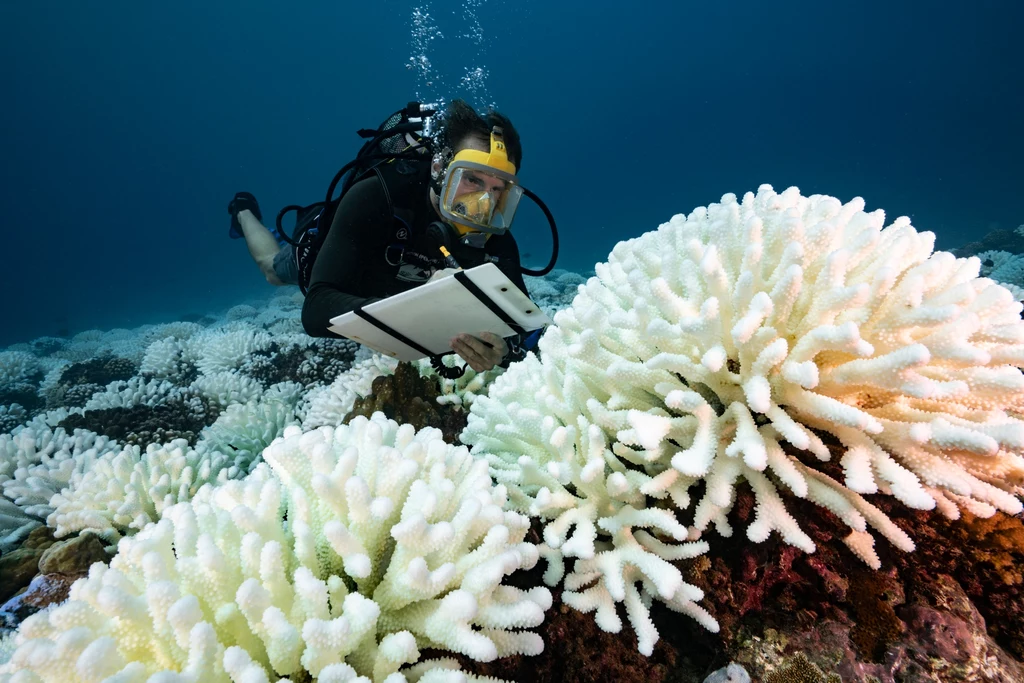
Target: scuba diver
{"points": [[412, 208]]}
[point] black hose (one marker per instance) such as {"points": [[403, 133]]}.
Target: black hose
{"points": [[296, 237], [554, 237]]}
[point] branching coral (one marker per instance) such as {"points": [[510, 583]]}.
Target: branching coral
{"points": [[226, 349], [729, 344], [463, 390], [328, 406], [344, 555], [123, 491], [36, 463], [17, 366], [133, 392]]}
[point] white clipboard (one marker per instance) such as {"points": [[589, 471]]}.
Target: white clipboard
{"points": [[431, 314]]}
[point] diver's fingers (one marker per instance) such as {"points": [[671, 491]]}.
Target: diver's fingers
{"points": [[500, 347], [478, 354]]}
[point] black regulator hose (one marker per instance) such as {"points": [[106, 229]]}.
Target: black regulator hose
{"points": [[296, 237], [554, 237]]}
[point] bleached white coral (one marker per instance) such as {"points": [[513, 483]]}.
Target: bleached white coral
{"points": [[990, 260], [77, 351], [124, 490], [88, 336], [280, 314], [6, 646], [329, 405], [11, 416], [90, 344], [35, 463], [1010, 270], [289, 393], [130, 348], [53, 376], [15, 525], [554, 291], [1015, 290], [165, 359], [94, 343], [281, 327], [729, 344], [241, 312], [176, 330], [133, 392], [51, 418], [244, 430], [463, 390], [226, 349], [16, 366], [344, 555], [227, 387]]}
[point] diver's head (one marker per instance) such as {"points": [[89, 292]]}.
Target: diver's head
{"points": [[475, 187], [461, 127]]}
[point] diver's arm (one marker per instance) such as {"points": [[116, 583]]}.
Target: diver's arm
{"points": [[351, 247]]}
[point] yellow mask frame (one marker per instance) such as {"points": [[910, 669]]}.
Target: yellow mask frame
{"points": [[487, 212]]}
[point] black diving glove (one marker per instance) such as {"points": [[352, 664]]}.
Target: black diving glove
{"points": [[242, 201]]}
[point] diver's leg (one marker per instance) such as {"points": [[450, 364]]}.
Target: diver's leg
{"points": [[262, 244]]}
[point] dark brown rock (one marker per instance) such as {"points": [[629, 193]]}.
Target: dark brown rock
{"points": [[17, 570], [43, 591], [73, 556], [408, 398], [40, 538]]}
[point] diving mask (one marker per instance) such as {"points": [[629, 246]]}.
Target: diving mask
{"points": [[480, 192]]}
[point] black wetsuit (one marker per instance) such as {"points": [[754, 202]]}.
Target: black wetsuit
{"points": [[360, 261]]}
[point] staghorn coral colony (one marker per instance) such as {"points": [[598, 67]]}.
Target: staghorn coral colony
{"points": [[783, 363]]}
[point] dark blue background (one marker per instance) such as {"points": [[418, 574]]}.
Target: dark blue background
{"points": [[126, 127]]}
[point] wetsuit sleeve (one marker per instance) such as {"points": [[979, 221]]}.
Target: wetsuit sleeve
{"points": [[355, 241]]}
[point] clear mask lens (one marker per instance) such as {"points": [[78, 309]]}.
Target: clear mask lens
{"points": [[480, 198], [476, 207]]}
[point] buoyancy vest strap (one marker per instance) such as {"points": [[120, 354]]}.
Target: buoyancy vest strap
{"points": [[488, 302], [384, 188]]}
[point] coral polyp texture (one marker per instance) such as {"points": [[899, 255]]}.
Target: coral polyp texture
{"points": [[758, 340], [341, 557]]}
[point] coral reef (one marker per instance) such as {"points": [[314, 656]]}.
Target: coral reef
{"points": [[178, 418], [283, 506], [729, 345], [394, 542], [995, 240]]}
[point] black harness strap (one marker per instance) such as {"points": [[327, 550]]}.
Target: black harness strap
{"points": [[488, 302]]}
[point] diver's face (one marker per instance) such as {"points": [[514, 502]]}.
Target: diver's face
{"points": [[477, 181]]}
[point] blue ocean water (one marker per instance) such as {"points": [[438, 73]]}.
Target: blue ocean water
{"points": [[128, 126]]}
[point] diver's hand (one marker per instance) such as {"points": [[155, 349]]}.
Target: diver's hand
{"points": [[482, 352], [447, 272]]}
